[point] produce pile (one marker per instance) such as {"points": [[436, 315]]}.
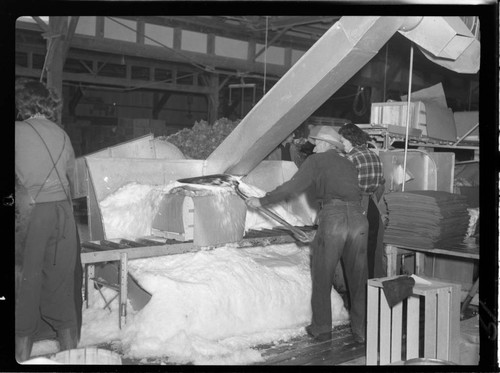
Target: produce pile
{"points": [[201, 140]]}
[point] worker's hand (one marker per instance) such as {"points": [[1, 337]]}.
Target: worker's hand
{"points": [[253, 202]]}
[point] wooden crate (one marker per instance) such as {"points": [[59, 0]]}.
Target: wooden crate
{"points": [[388, 341]]}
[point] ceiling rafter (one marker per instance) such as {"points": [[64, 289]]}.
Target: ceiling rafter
{"points": [[42, 24], [298, 20]]}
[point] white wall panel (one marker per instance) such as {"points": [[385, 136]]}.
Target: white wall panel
{"points": [[194, 41], [231, 48], [117, 31], [275, 55], [86, 26], [162, 34]]}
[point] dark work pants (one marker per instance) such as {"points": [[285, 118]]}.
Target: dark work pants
{"points": [[375, 247], [342, 234], [47, 290]]}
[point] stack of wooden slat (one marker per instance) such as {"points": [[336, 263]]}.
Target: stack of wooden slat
{"points": [[426, 219]]}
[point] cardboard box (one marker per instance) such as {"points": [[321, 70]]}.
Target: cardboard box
{"points": [[464, 122], [208, 220], [435, 121], [394, 113]]}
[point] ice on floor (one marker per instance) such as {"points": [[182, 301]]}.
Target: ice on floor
{"points": [[213, 306]]}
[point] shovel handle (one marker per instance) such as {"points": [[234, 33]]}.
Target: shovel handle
{"points": [[300, 235]]}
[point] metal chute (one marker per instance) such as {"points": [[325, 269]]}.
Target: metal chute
{"points": [[448, 42], [334, 59]]}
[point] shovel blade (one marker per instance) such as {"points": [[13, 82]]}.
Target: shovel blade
{"points": [[216, 180]]}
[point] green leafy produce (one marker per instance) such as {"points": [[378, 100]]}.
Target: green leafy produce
{"points": [[202, 139]]}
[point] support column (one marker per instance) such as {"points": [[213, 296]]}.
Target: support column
{"points": [[54, 60], [213, 98], [59, 35]]}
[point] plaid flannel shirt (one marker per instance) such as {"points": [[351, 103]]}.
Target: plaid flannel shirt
{"points": [[370, 171]]}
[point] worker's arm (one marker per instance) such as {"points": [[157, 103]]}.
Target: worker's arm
{"points": [[302, 180]]}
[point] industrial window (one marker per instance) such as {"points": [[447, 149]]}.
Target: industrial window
{"points": [[159, 34], [86, 26], [111, 69], [140, 73], [274, 55], [162, 75], [22, 59], [184, 77], [38, 61], [231, 48], [194, 41], [74, 65], [120, 29]]}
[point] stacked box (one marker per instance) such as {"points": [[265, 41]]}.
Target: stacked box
{"points": [[394, 113]]}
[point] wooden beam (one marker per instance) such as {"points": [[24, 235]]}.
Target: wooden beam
{"points": [[75, 99], [147, 51], [269, 43], [213, 98], [120, 82], [55, 55], [220, 28], [41, 24], [67, 39], [158, 105], [300, 20], [310, 31]]}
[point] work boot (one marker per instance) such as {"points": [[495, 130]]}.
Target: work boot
{"points": [[23, 348], [67, 339]]}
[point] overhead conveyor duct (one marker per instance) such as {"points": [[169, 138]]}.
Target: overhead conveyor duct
{"points": [[448, 42], [334, 59], [339, 54]]}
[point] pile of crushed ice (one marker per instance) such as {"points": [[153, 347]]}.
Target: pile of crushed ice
{"points": [[207, 307]]}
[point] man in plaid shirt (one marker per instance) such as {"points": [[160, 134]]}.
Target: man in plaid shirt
{"points": [[371, 182]]}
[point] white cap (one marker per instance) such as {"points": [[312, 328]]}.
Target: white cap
{"points": [[326, 133]]}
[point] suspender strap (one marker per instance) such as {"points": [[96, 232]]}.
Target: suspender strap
{"points": [[54, 163]]}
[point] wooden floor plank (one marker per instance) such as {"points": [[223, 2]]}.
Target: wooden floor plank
{"points": [[305, 350], [300, 343]]}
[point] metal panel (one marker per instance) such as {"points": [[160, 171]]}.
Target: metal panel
{"points": [[445, 164], [339, 54], [107, 175], [419, 165], [141, 147], [448, 42]]}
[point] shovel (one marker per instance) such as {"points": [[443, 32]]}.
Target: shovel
{"points": [[233, 182]]}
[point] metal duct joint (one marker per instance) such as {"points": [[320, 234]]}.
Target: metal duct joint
{"points": [[410, 23]]}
